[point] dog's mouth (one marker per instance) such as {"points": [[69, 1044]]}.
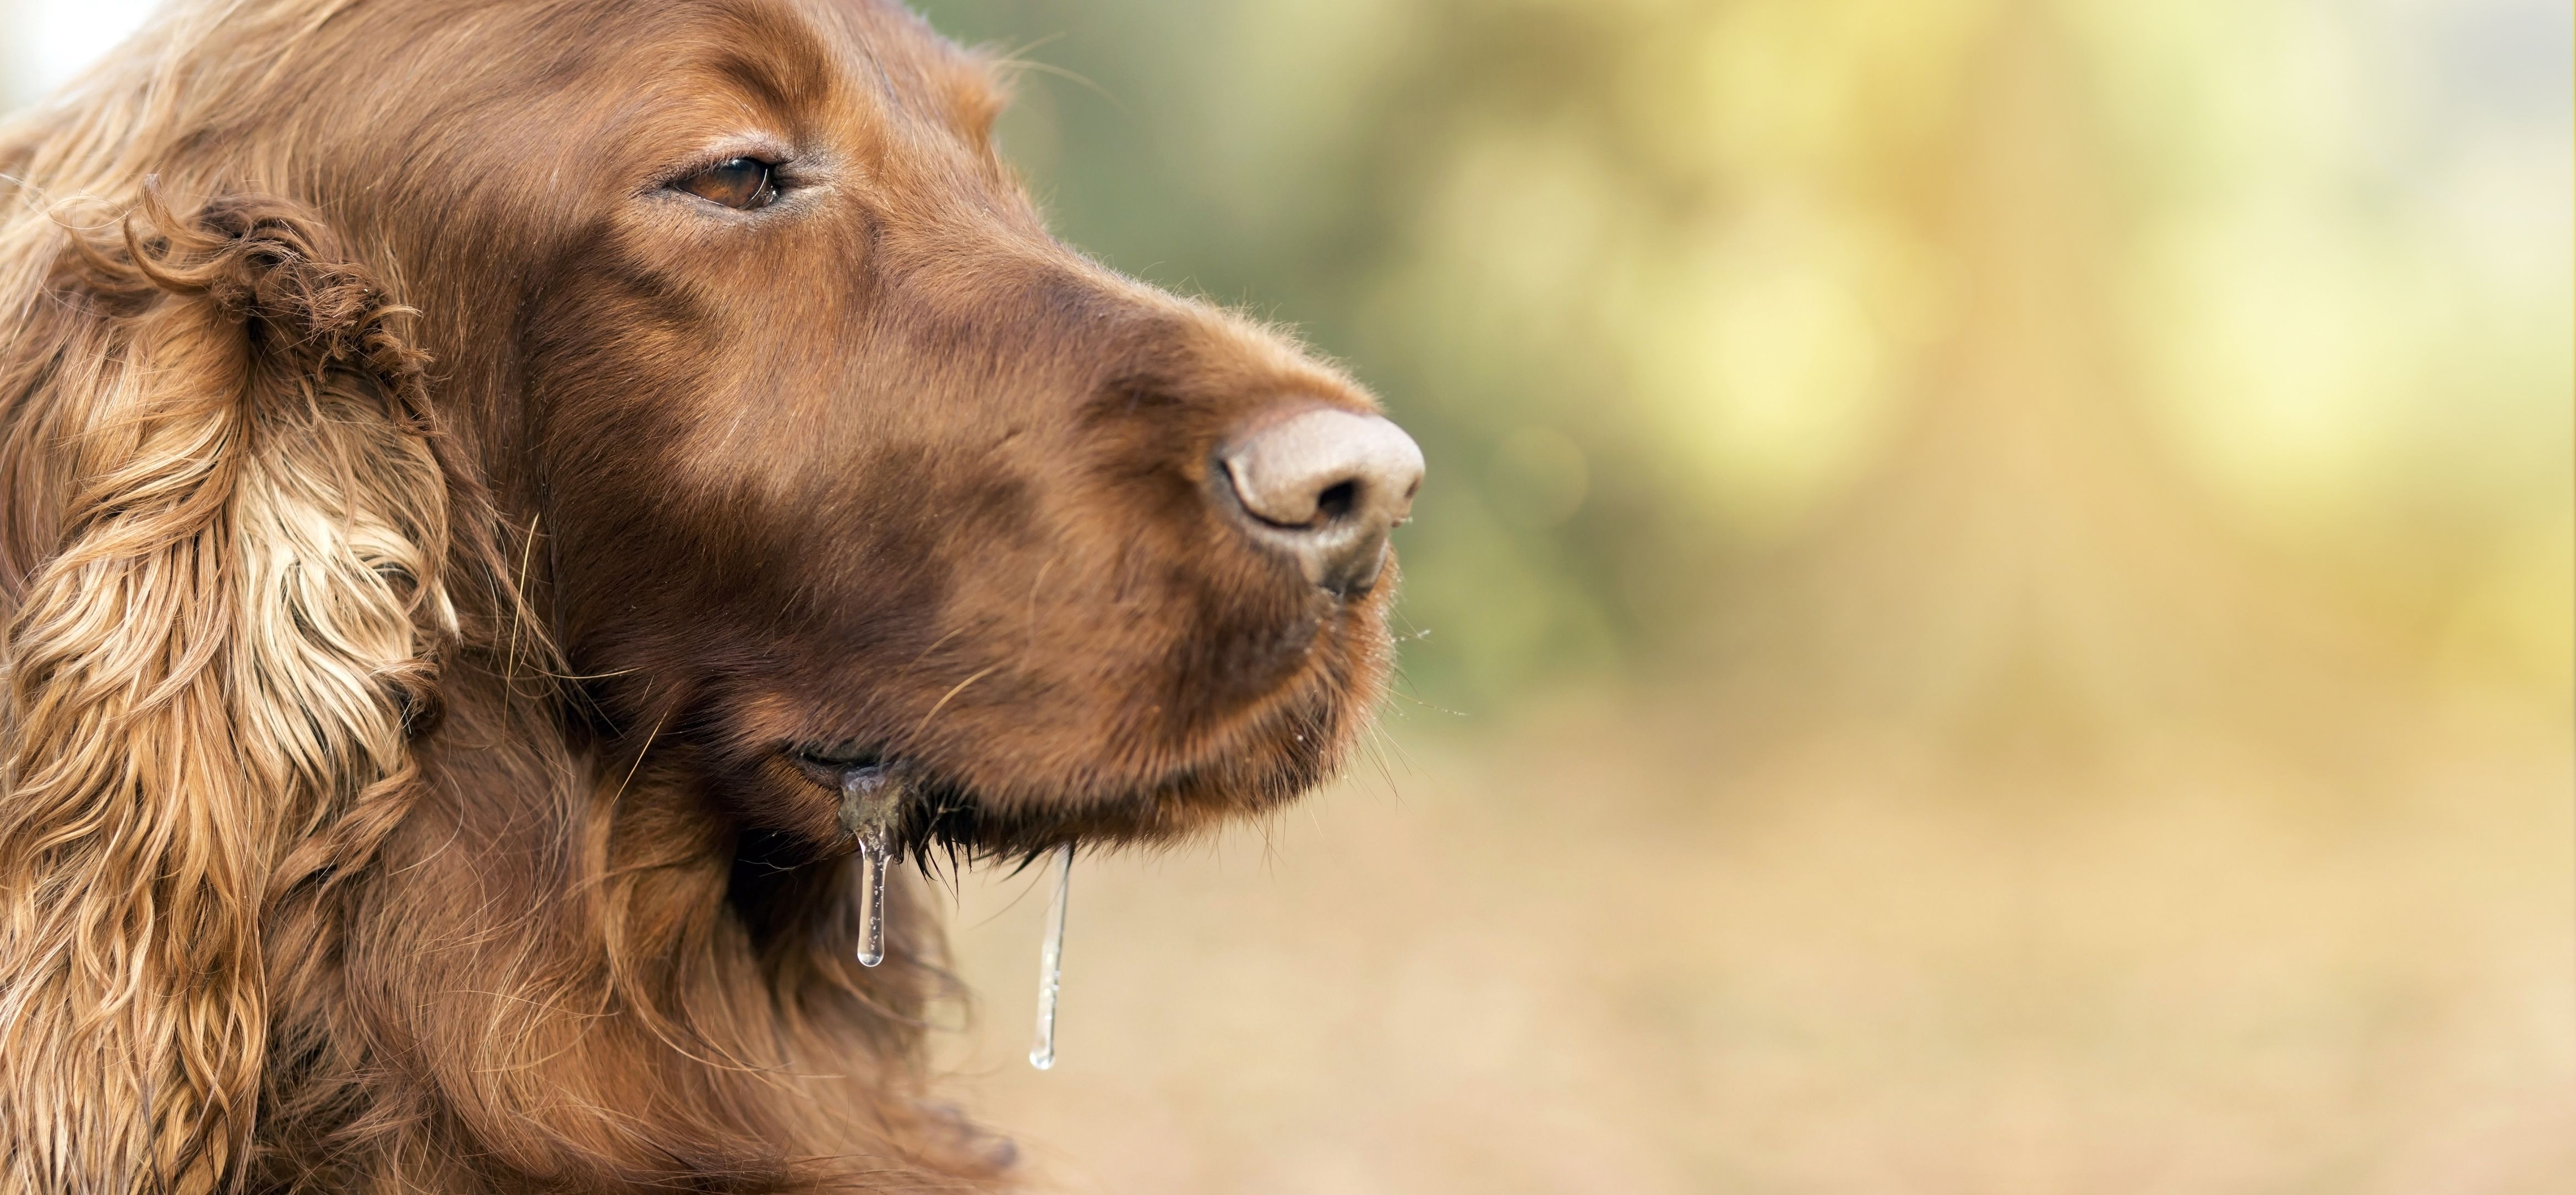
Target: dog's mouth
{"points": [[924, 816], [999, 794], [915, 811], [922, 811]]}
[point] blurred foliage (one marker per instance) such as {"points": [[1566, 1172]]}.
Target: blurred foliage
{"points": [[1663, 285]]}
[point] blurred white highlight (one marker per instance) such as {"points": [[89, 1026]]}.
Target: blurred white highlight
{"points": [[43, 43]]}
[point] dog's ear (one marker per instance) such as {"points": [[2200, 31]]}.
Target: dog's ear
{"points": [[209, 671]]}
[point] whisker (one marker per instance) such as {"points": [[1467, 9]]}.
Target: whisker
{"points": [[942, 703]]}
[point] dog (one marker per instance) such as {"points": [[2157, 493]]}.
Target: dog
{"points": [[500, 499]]}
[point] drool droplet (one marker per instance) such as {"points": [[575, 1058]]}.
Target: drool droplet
{"points": [[867, 811], [872, 877], [1051, 961]]}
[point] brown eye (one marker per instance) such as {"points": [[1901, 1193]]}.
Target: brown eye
{"points": [[742, 183]]}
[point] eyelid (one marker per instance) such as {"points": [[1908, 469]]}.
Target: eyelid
{"points": [[724, 184], [780, 158]]}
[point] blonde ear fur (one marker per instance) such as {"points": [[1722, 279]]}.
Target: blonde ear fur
{"points": [[205, 685]]}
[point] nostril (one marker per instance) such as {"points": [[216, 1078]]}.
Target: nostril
{"points": [[1336, 501]]}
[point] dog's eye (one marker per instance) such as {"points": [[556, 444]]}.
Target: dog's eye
{"points": [[742, 183]]}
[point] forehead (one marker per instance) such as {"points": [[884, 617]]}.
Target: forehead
{"points": [[795, 56], [624, 58], [912, 61]]}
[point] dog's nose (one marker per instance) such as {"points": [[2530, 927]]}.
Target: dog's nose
{"points": [[1327, 485]]}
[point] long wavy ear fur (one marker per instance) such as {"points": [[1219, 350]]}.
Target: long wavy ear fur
{"points": [[230, 526]]}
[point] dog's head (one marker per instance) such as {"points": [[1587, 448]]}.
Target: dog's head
{"points": [[713, 333], [836, 461], [840, 463]]}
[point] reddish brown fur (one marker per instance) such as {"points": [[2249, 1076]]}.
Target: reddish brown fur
{"points": [[428, 540]]}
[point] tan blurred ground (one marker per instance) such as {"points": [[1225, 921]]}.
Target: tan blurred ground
{"points": [[1593, 954]]}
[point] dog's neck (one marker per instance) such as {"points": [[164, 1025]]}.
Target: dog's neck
{"points": [[557, 953]]}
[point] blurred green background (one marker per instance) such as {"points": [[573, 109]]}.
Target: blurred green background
{"points": [[1995, 607], [1673, 290]]}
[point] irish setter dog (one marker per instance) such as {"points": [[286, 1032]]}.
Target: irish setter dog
{"points": [[487, 487]]}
